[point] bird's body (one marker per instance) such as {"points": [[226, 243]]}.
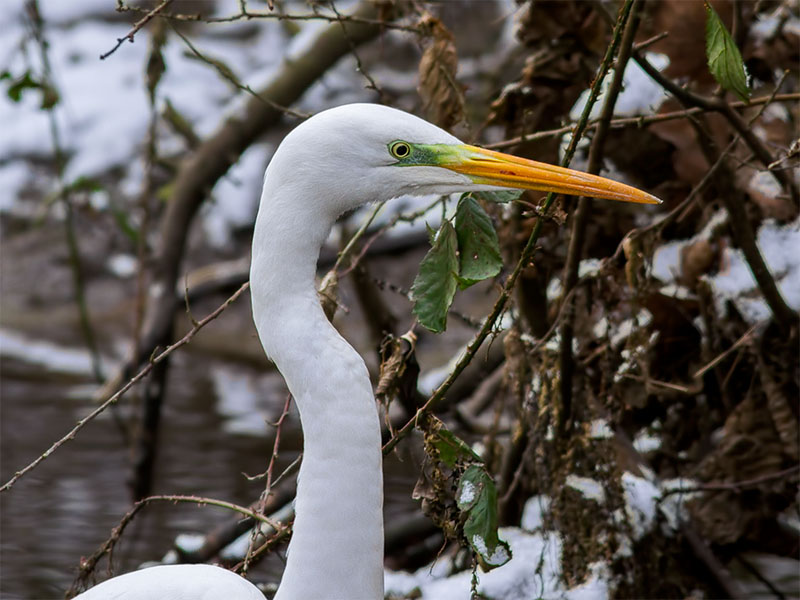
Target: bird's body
{"points": [[176, 582], [336, 161]]}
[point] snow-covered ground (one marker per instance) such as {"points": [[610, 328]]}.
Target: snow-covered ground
{"points": [[734, 281]]}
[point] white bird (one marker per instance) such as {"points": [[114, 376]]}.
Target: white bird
{"points": [[333, 162]]}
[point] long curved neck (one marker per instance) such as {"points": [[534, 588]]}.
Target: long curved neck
{"points": [[337, 543]]}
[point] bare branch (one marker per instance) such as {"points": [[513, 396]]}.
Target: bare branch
{"points": [[137, 26], [113, 399]]}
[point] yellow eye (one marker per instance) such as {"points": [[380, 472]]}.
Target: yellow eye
{"points": [[399, 149]]}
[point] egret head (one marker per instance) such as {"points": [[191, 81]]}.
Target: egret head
{"points": [[365, 152]]}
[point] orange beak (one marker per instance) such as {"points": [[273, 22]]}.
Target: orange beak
{"points": [[504, 170]]}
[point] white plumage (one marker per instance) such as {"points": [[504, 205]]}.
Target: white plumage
{"points": [[335, 161]]}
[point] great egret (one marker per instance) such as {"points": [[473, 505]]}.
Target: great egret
{"points": [[333, 162]]}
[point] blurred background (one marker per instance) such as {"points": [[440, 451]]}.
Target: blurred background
{"points": [[129, 185]]}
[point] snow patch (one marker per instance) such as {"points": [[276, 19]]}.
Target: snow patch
{"points": [[52, 357], [590, 488], [595, 586], [533, 572], [467, 494], [640, 503], [644, 442], [599, 430], [240, 399], [778, 245], [640, 94], [189, 542], [498, 557], [122, 265], [533, 512]]}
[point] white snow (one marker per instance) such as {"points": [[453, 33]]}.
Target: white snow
{"points": [[639, 95], [640, 503], [467, 493], [122, 265], [624, 329], [595, 586], [587, 267], [673, 506], [533, 512], [48, 355], [516, 580], [235, 196], [735, 282], [779, 246], [590, 488], [189, 542], [666, 264], [498, 557], [782, 572], [646, 442], [241, 397], [600, 430]]}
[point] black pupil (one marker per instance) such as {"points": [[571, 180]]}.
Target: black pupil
{"points": [[401, 149]]}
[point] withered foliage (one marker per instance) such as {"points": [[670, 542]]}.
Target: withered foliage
{"points": [[716, 393], [442, 96]]}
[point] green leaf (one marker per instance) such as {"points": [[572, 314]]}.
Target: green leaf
{"points": [[479, 251], [26, 82], [451, 448], [435, 284], [15, 90], [124, 224], [431, 234], [477, 498], [724, 60], [500, 197], [85, 184]]}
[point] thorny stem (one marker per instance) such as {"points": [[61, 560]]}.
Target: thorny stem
{"points": [[133, 381], [89, 564], [527, 251], [262, 503], [582, 215]]}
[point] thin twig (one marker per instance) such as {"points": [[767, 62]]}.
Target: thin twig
{"points": [[88, 565], [624, 30], [359, 66], [733, 486], [525, 257], [745, 338], [133, 381], [137, 26], [638, 122], [228, 75], [316, 16]]}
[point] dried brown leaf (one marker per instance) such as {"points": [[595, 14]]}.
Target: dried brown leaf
{"points": [[328, 293], [782, 416], [442, 95]]}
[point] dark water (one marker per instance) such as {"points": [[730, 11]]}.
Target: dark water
{"points": [[65, 508], [212, 431]]}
